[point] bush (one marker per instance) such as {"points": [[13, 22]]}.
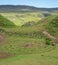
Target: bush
{"points": [[48, 41]]}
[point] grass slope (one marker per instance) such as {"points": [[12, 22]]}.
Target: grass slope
{"points": [[5, 22], [52, 25]]}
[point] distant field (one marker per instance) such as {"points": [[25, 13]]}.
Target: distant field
{"points": [[21, 18]]}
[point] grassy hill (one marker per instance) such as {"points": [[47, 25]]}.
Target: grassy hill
{"points": [[5, 22], [30, 45], [52, 26], [20, 19]]}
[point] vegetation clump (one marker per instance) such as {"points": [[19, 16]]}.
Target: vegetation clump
{"points": [[48, 41]]}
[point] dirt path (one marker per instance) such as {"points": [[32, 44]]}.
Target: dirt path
{"points": [[49, 35]]}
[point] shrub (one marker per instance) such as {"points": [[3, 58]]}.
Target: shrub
{"points": [[48, 41]]}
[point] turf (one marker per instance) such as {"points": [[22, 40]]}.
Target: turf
{"points": [[48, 58]]}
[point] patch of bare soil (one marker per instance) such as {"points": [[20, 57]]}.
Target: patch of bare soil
{"points": [[49, 35], [2, 38], [4, 55], [28, 45]]}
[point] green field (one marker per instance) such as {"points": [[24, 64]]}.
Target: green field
{"points": [[20, 50], [47, 58]]}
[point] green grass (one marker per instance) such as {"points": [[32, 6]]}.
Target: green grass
{"points": [[21, 18], [27, 45], [5, 22], [17, 45], [47, 58], [52, 25]]}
